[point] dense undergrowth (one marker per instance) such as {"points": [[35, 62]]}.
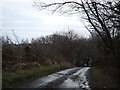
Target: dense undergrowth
{"points": [[101, 79]]}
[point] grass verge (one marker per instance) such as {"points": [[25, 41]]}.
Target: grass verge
{"points": [[9, 80], [99, 79]]}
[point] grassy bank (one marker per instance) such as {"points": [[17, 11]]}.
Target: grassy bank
{"points": [[100, 79], [14, 78]]}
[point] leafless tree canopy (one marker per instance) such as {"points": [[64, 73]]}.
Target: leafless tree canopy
{"points": [[69, 7], [102, 16]]}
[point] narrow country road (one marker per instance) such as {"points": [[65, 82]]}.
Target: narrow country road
{"points": [[75, 78]]}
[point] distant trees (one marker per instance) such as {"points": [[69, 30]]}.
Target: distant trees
{"points": [[57, 48]]}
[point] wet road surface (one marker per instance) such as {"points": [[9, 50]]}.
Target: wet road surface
{"points": [[70, 78]]}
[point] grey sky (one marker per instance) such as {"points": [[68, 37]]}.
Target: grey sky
{"points": [[27, 22]]}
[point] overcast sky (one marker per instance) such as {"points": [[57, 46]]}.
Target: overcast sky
{"points": [[28, 22]]}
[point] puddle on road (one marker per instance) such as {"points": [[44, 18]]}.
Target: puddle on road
{"points": [[69, 83], [77, 80]]}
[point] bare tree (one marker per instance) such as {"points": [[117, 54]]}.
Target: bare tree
{"points": [[100, 16]]}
